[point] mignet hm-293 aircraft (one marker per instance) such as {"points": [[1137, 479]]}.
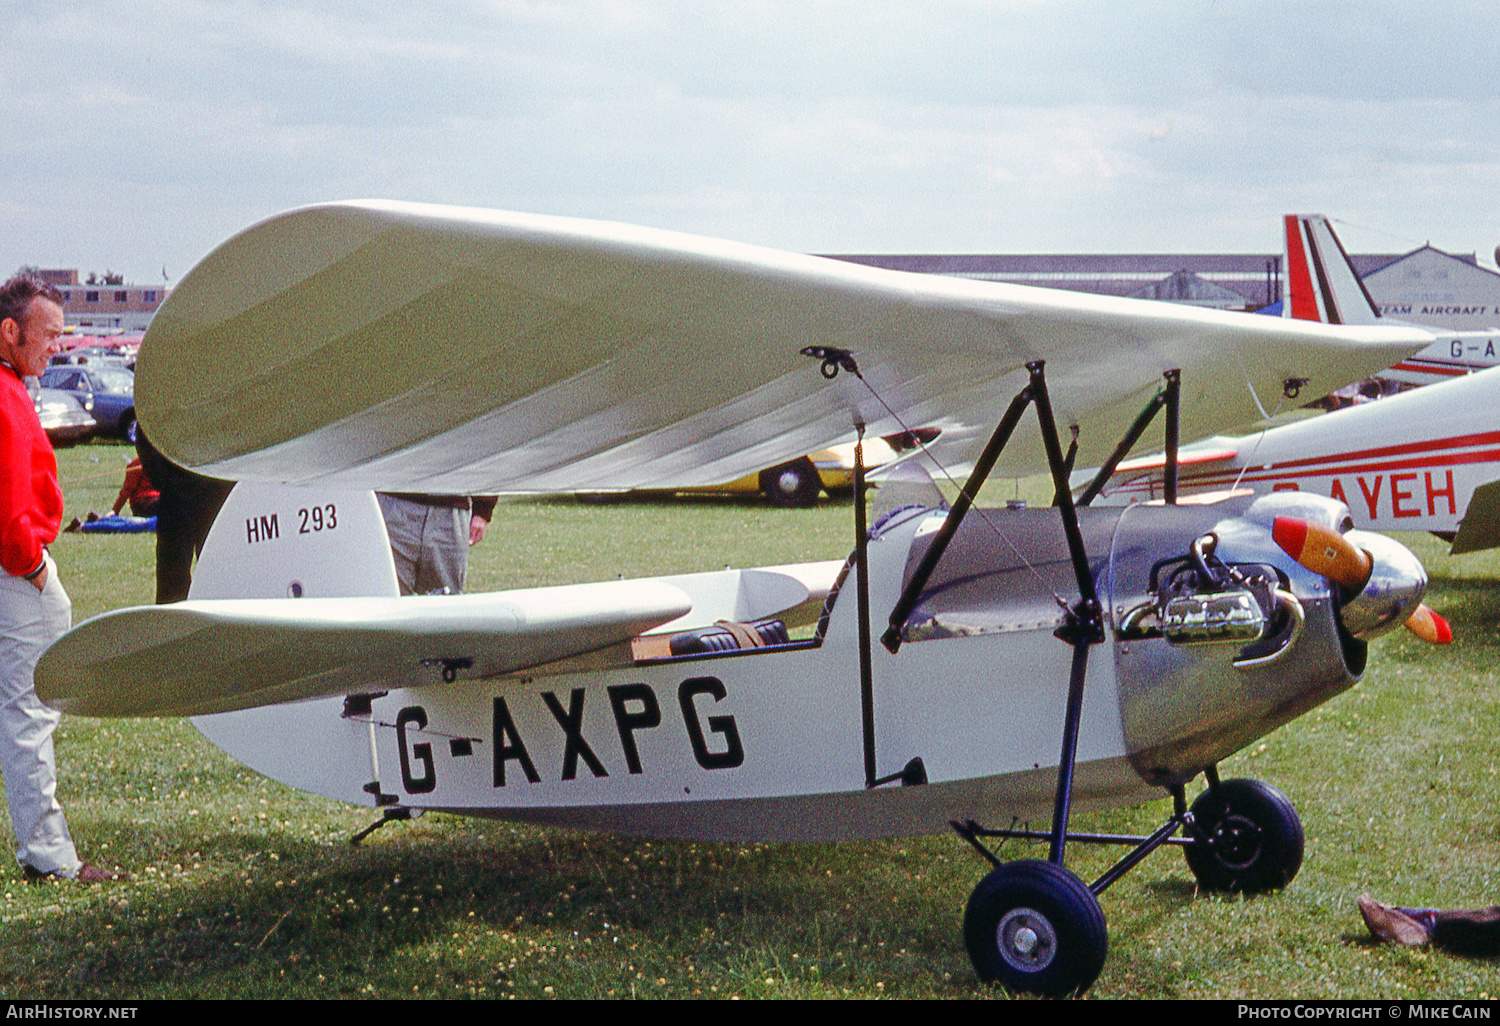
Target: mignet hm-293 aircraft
{"points": [[962, 667]]}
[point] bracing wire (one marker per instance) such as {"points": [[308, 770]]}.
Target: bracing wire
{"points": [[845, 361]]}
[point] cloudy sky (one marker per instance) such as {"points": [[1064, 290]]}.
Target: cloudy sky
{"points": [[137, 136]]}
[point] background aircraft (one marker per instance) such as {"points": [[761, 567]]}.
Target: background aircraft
{"points": [[653, 706], [1424, 460], [1322, 285], [1427, 459]]}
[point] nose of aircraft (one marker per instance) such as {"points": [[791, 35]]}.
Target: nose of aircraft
{"points": [[1383, 582]]}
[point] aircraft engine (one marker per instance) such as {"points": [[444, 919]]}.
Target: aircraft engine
{"points": [[1227, 641], [1219, 634]]}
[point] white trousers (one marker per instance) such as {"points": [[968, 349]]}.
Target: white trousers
{"points": [[31, 620]]}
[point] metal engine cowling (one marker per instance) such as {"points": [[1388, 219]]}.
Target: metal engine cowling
{"points": [[1188, 701]]}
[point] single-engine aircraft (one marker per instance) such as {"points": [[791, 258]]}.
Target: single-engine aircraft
{"points": [[1426, 459], [1030, 659], [1322, 285]]}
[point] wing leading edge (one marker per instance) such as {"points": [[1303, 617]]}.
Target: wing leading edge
{"points": [[403, 346]]}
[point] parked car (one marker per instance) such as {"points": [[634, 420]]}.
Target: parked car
{"points": [[63, 415], [109, 355], [111, 390], [799, 482]]}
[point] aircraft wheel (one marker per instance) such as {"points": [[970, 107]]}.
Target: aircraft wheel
{"points": [[1255, 839], [1035, 927], [791, 485]]}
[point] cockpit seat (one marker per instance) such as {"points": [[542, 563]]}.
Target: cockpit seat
{"points": [[725, 636]]}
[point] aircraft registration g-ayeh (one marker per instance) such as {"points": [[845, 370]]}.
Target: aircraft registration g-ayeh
{"points": [[1427, 459], [385, 345]]}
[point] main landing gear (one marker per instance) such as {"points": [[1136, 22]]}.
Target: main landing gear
{"points": [[1251, 838], [1035, 927]]}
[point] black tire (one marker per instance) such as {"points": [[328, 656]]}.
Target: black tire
{"points": [[1254, 838], [791, 485], [1035, 927], [127, 426]]}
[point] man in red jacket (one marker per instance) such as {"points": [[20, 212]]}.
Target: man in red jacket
{"points": [[34, 608]]}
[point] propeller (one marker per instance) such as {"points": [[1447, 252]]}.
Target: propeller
{"points": [[1324, 551], [1327, 552], [1426, 624]]}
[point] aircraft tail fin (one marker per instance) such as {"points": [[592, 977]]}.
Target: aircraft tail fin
{"points": [[1321, 281], [273, 541], [266, 543]]}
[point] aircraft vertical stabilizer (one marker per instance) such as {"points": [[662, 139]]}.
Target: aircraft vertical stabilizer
{"points": [[1322, 285], [1321, 282]]}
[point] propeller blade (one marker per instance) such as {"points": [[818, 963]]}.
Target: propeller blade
{"points": [[1426, 624], [1323, 551]]}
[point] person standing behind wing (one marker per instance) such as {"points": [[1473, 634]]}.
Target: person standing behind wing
{"points": [[430, 538]]}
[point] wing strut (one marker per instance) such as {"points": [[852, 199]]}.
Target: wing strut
{"points": [[1035, 391], [891, 639], [1168, 397], [1083, 624]]}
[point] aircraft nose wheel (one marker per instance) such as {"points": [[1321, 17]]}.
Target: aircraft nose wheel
{"points": [[1035, 927], [1255, 840]]}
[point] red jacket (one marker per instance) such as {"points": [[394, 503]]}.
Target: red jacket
{"points": [[31, 503]]}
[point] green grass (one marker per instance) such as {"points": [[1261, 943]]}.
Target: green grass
{"points": [[244, 888]]}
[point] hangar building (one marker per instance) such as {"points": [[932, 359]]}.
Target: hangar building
{"points": [[1425, 286]]}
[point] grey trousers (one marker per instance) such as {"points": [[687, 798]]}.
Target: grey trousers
{"points": [[430, 544]]}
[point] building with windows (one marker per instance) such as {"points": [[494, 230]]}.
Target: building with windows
{"points": [[1425, 286], [105, 308]]}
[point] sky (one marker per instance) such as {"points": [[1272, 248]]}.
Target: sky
{"points": [[138, 136]]}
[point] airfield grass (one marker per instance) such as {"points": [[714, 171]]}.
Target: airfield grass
{"points": [[245, 888]]}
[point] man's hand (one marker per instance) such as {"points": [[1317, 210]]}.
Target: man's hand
{"points": [[477, 527]]}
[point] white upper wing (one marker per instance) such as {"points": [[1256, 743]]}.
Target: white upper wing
{"points": [[402, 346]]}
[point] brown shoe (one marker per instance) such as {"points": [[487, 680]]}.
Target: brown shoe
{"points": [[87, 874], [1391, 924]]}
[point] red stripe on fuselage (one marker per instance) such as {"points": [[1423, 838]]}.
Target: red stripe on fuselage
{"points": [[1429, 445], [1257, 474], [1366, 461], [1452, 370]]}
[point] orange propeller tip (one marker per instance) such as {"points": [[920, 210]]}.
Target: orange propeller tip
{"points": [[1323, 551], [1428, 625]]}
